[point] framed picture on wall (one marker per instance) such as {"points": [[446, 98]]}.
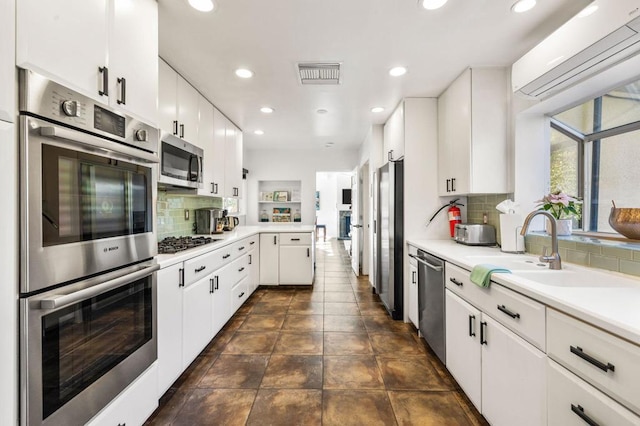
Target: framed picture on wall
{"points": [[267, 196], [317, 200]]}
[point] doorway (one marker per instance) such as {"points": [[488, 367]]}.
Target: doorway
{"points": [[333, 204]]}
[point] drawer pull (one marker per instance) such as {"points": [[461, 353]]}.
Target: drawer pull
{"points": [[504, 309], [456, 282], [577, 350], [579, 411], [200, 269], [241, 269], [472, 328], [252, 243], [240, 248], [483, 340], [226, 256], [295, 239], [241, 294]]}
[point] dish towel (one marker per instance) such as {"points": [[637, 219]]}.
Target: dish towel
{"points": [[481, 274]]}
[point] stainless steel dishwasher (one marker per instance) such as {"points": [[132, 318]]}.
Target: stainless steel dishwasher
{"points": [[431, 301]]}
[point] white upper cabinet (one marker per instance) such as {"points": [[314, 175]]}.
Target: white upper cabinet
{"points": [[178, 104], [205, 141], [7, 61], [472, 133], [216, 160], [233, 162], [394, 135], [91, 45]]}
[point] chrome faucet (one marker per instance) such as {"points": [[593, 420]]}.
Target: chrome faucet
{"points": [[553, 260]]}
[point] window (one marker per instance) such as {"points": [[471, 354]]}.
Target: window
{"points": [[595, 154]]}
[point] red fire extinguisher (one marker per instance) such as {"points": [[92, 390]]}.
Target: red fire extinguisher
{"points": [[454, 217], [453, 212]]}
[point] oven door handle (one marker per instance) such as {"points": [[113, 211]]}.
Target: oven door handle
{"points": [[87, 141], [61, 301]]}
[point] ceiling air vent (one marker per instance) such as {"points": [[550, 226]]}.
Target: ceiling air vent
{"points": [[319, 73]]}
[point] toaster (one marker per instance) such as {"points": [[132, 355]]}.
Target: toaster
{"points": [[475, 235]]}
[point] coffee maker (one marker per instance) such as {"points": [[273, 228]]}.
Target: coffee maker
{"points": [[210, 221], [230, 222]]}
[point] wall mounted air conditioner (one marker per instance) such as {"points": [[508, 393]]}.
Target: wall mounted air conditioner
{"points": [[579, 48]]}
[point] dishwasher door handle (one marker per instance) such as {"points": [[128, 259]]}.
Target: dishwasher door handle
{"points": [[434, 267]]}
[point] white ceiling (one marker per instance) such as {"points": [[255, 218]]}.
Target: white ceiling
{"points": [[367, 36]]}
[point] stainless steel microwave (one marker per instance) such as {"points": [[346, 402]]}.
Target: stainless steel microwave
{"points": [[180, 163]]}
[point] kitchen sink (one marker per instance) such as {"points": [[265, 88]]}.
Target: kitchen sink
{"points": [[511, 262]]}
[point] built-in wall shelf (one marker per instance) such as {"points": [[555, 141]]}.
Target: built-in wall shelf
{"points": [[279, 201]]}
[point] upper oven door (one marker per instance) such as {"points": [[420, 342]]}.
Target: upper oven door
{"points": [[88, 204], [83, 343]]}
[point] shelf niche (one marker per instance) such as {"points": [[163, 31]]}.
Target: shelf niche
{"points": [[279, 201]]}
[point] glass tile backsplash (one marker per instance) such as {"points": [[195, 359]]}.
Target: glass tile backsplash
{"points": [[171, 213]]}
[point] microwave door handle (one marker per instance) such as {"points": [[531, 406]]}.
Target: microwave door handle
{"points": [[83, 140], [192, 177], [61, 301]]}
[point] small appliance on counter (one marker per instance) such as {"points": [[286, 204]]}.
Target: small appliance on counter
{"points": [[475, 235], [210, 221], [230, 222]]}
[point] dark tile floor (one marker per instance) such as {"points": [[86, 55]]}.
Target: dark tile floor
{"points": [[326, 355]]}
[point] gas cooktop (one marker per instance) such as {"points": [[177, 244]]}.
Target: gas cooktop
{"points": [[175, 244]]}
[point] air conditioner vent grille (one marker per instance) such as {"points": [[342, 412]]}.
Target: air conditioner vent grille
{"points": [[319, 73]]}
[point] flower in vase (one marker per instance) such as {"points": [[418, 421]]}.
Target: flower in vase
{"points": [[561, 205]]}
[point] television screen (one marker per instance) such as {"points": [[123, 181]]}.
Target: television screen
{"points": [[346, 196]]}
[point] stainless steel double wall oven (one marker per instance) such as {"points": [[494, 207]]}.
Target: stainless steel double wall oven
{"points": [[88, 280]]}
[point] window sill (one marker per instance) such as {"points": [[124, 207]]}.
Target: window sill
{"points": [[595, 238]]}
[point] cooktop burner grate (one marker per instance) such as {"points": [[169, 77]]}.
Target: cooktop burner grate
{"points": [[175, 244]]}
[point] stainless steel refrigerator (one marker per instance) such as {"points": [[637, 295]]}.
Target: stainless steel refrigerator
{"points": [[389, 233]]}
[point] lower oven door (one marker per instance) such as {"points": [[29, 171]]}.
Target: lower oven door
{"points": [[84, 343]]}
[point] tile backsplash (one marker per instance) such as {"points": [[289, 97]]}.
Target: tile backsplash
{"points": [[477, 205], [171, 208]]}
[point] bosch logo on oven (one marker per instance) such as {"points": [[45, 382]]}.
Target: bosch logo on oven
{"points": [[108, 249]]}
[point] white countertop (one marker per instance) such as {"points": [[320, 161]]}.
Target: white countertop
{"points": [[608, 300], [230, 237]]}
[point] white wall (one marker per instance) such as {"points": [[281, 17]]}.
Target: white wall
{"points": [[293, 165]]}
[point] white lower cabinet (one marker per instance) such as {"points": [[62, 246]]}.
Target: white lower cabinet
{"points": [[254, 269], [413, 293], [296, 266], [513, 377], [573, 402], [134, 404], [286, 258], [197, 330], [269, 259], [169, 326], [503, 375]]}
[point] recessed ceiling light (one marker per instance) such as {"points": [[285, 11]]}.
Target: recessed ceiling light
{"points": [[244, 73], [588, 10], [266, 110], [397, 71], [377, 109], [258, 132], [202, 5], [433, 4], [322, 111], [523, 5]]}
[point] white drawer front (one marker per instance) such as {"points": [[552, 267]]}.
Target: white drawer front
{"points": [[606, 361], [573, 402], [303, 239], [522, 315], [239, 294], [458, 280], [199, 267], [253, 242]]}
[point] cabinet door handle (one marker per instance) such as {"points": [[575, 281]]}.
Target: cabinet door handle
{"points": [[579, 411], [456, 282], [453, 184], [217, 281], [175, 127], [215, 188], [472, 325], [308, 252], [226, 256], [241, 294], [577, 350], [483, 336], [200, 269], [413, 277], [250, 260], [105, 81], [275, 240], [505, 310], [211, 289], [241, 269], [181, 277], [182, 131], [390, 155], [448, 180], [123, 91]]}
